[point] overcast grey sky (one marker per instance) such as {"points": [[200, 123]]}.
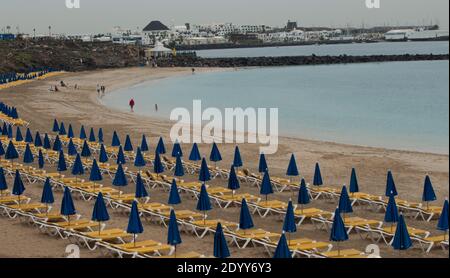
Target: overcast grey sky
{"points": [[97, 16]]}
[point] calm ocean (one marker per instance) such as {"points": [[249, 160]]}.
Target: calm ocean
{"points": [[400, 105]]}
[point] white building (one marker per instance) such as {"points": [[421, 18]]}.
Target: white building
{"points": [[398, 35], [155, 31]]}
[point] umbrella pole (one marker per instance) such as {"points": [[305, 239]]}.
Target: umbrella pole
{"points": [[392, 227], [428, 205], [46, 210], [302, 208], [175, 251], [68, 219], [266, 199], [289, 238], [99, 227], [339, 249], [204, 219], [18, 197], [134, 240]]}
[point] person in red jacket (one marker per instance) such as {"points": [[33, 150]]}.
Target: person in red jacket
{"points": [[132, 105]]}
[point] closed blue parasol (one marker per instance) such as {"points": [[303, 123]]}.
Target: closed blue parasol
{"points": [[100, 212], [55, 126], [103, 156], [173, 234], [128, 147], [96, 174], [71, 148], [338, 231], [134, 223], [204, 203], [204, 174], [390, 185], [237, 160], [179, 169], [303, 195], [144, 144], [120, 179], [3, 183], [174, 196], [292, 169], [140, 192], [100, 135], [245, 218], [221, 250], [70, 133], [67, 205], [139, 160], [28, 136], [19, 137], [28, 155], [195, 153], [289, 225], [345, 204], [282, 251], [443, 219], [77, 168], [391, 215], [177, 151], [262, 168], [18, 187], [215, 155], [47, 145], [266, 185], [158, 167], [47, 193], [317, 180], [41, 161], [92, 135], [402, 240], [354, 186], [57, 144], [115, 140], [85, 151], [11, 151], [38, 140], [62, 129], [160, 148], [121, 156], [83, 135], [62, 166], [428, 194], [233, 181]]}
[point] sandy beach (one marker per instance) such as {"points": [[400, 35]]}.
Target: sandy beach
{"points": [[39, 106]]}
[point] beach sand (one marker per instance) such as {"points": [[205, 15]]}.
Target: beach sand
{"points": [[39, 106]]}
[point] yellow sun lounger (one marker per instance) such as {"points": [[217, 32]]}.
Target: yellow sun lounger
{"points": [[143, 248], [189, 255], [346, 253], [110, 235]]}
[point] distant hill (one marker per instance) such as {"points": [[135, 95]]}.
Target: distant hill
{"points": [[19, 55]]}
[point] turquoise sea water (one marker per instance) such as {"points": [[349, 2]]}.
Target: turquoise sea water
{"points": [[382, 48], [400, 105]]}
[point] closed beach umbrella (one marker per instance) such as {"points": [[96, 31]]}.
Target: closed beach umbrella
{"points": [[345, 204], [83, 135], [96, 174], [62, 129], [262, 168], [428, 194], [3, 183], [195, 153], [134, 223], [19, 137], [144, 144], [28, 155], [179, 170], [100, 135], [237, 160], [402, 240], [160, 148], [266, 185], [158, 167], [174, 196], [221, 250], [233, 181], [204, 203], [292, 169], [115, 140], [128, 147], [173, 235], [55, 126], [47, 145], [177, 151], [92, 135], [120, 179], [67, 205], [37, 140], [77, 168], [62, 166], [215, 155], [71, 148], [443, 219], [282, 251], [391, 215], [338, 231], [204, 174], [303, 195], [140, 192], [70, 133], [139, 160], [245, 218], [2, 150], [85, 151], [354, 187], [10, 132], [41, 161], [289, 225], [28, 136], [57, 144], [11, 152], [103, 156], [100, 212], [18, 187], [390, 185], [317, 180], [47, 194], [121, 156]]}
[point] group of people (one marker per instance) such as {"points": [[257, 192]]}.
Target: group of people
{"points": [[101, 90], [62, 84], [132, 103]]}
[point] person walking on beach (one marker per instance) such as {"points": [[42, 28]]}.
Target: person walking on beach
{"points": [[132, 105], [156, 107]]}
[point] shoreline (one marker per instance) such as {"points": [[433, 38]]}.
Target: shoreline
{"points": [[39, 106]]}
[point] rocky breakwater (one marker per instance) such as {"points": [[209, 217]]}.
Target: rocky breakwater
{"points": [[189, 61]]}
